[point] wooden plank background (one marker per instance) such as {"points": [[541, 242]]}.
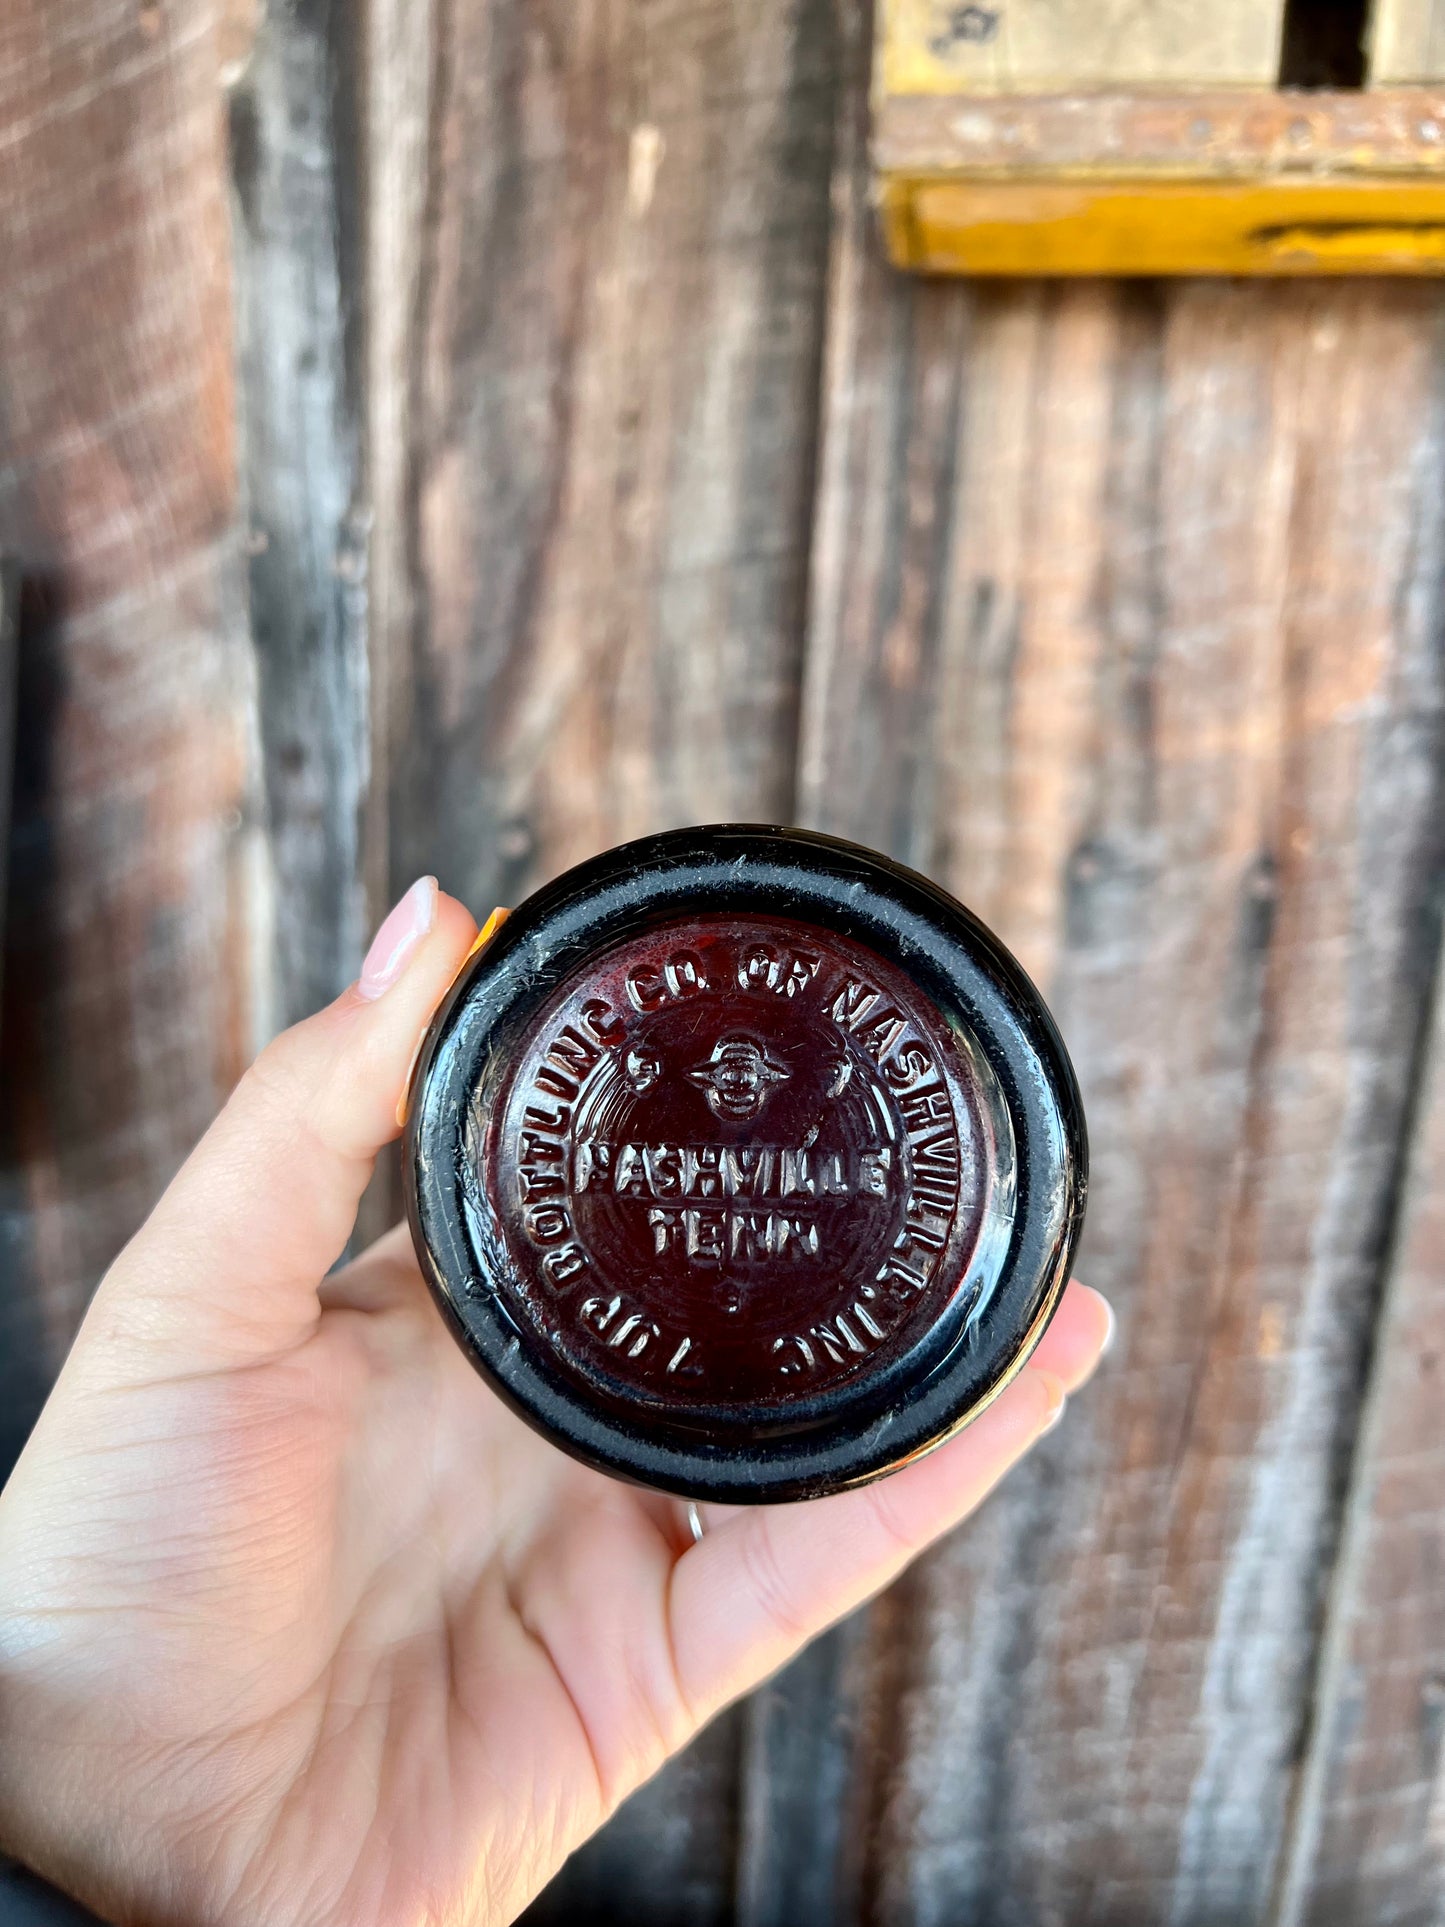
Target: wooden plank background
{"points": [[458, 434]]}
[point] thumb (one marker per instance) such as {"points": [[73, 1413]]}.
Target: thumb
{"points": [[226, 1269]]}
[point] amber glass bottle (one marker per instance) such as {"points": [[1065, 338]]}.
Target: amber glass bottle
{"points": [[745, 1163]]}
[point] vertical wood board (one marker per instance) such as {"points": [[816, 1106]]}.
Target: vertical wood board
{"points": [[609, 430], [296, 191], [1368, 1839], [1112, 633], [595, 311], [128, 991], [1123, 618]]}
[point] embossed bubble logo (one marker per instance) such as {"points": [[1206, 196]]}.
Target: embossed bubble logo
{"points": [[735, 1161]]}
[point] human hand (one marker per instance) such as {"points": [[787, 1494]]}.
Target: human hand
{"points": [[297, 1622]]}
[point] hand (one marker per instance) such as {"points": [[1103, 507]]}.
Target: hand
{"points": [[297, 1622]]}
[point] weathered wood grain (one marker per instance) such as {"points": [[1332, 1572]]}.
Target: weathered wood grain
{"points": [[24, 1366], [128, 999], [1368, 1841], [1201, 134], [297, 174], [9, 669], [610, 406], [1124, 620], [808, 1752], [667, 1856], [595, 319], [127, 980]]}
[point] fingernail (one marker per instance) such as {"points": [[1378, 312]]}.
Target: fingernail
{"points": [[484, 936], [398, 937], [1058, 1399], [1110, 1329]]}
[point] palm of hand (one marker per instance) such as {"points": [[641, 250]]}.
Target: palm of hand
{"points": [[299, 1623], [382, 1641]]}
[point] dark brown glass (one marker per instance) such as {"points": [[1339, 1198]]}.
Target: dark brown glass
{"points": [[745, 1163]]}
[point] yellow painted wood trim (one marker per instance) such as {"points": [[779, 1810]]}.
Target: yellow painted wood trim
{"points": [[1145, 226]]}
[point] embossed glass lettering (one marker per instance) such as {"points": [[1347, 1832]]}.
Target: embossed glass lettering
{"points": [[754, 1141]]}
